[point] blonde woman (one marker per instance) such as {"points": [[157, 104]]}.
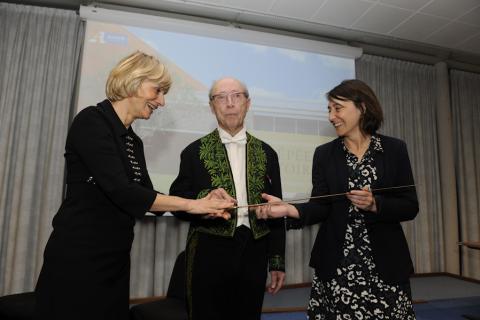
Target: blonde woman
{"points": [[86, 269]]}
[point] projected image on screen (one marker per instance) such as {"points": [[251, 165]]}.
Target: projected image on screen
{"points": [[287, 88]]}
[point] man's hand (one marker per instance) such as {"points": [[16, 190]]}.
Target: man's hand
{"points": [[219, 194], [276, 281], [215, 208]]}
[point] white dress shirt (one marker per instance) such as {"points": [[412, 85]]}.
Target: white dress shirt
{"points": [[236, 150]]}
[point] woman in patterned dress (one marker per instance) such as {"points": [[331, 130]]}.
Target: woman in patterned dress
{"points": [[86, 268], [360, 256]]}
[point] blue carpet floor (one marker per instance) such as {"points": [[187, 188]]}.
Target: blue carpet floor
{"points": [[445, 298], [447, 309]]}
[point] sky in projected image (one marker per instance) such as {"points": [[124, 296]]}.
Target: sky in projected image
{"points": [[277, 73], [287, 89]]}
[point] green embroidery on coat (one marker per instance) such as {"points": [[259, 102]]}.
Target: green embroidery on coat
{"points": [[276, 263], [215, 159], [256, 172], [203, 193], [192, 243]]}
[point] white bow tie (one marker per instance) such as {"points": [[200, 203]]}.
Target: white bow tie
{"points": [[240, 139]]}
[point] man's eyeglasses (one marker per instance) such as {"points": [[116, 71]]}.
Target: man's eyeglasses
{"points": [[235, 97]]}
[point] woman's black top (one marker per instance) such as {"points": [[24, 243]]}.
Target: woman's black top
{"points": [[86, 270]]}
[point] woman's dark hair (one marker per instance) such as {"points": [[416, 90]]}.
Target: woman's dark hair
{"points": [[364, 99]]}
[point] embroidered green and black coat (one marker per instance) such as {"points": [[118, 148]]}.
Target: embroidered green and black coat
{"points": [[204, 166]]}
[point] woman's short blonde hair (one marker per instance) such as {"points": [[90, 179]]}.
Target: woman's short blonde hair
{"points": [[127, 76]]}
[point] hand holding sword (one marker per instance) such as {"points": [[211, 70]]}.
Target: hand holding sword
{"points": [[277, 208]]}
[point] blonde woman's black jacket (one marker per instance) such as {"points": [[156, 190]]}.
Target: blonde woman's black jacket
{"points": [[388, 243], [86, 269]]}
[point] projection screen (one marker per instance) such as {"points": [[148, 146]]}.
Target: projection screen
{"points": [[287, 78]]}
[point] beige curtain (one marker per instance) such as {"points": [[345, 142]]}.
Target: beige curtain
{"points": [[407, 92], [465, 98], [39, 52], [158, 240]]}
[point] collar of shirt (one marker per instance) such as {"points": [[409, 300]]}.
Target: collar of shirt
{"points": [[107, 108], [375, 145], [239, 138]]}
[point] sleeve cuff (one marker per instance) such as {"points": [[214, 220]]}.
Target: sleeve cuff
{"points": [[276, 263], [293, 223]]}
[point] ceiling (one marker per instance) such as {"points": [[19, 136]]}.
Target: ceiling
{"points": [[445, 29]]}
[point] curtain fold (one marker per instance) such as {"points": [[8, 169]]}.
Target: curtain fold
{"points": [[39, 59], [407, 93], [158, 241], [465, 97], [39, 55]]}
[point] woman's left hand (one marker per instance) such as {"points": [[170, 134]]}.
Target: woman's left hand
{"points": [[363, 199]]}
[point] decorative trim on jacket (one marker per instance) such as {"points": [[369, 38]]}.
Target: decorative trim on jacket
{"points": [[215, 159]]}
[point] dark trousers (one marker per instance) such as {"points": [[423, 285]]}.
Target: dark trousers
{"points": [[226, 276]]}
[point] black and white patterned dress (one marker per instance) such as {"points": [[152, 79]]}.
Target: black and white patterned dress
{"points": [[357, 291]]}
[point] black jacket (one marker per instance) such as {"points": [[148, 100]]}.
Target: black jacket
{"points": [[86, 267], [100, 187], [389, 246], [204, 166]]}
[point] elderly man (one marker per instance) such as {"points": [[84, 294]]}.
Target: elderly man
{"points": [[227, 260]]}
